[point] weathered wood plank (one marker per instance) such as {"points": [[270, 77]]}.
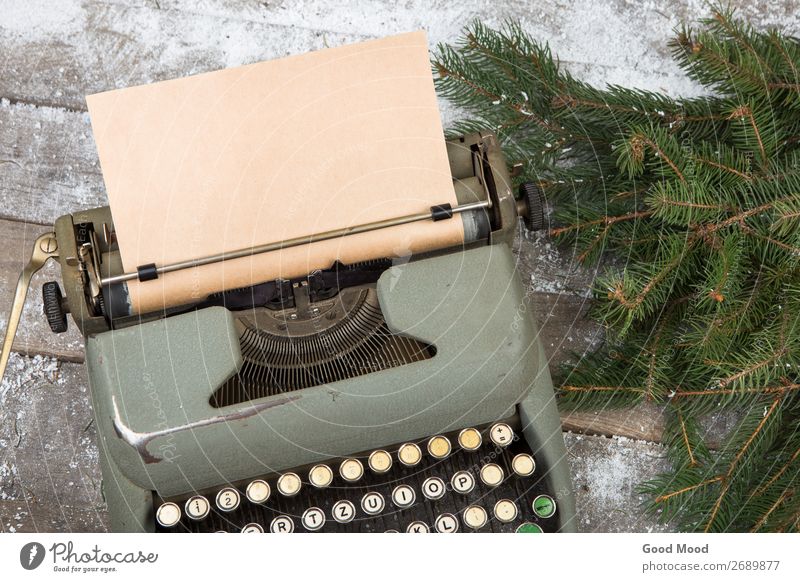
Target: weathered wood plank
{"points": [[48, 453], [34, 335], [105, 45], [48, 163], [605, 474], [75, 48]]}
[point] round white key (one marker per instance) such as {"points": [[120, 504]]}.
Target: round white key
{"points": [[313, 519], [446, 523], [475, 516], [197, 507], [320, 476], [505, 510], [228, 499], [470, 439], [372, 503], [289, 484], [501, 434], [253, 528], [462, 482], [409, 454], [168, 514], [523, 465], [492, 474], [391, 531], [403, 496], [380, 461], [417, 527], [433, 488], [282, 524], [258, 491], [351, 470], [439, 447], [343, 511]]}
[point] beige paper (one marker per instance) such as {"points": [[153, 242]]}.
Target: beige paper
{"points": [[272, 151]]}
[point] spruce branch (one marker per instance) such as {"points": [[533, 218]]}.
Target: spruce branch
{"points": [[701, 198]]}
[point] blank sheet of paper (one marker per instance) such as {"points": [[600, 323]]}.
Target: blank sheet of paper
{"points": [[271, 151]]}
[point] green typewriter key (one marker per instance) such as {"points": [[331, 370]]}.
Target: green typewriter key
{"points": [[313, 519], [470, 439], [380, 462], [282, 524], [446, 523], [462, 482], [351, 470], [168, 515], [417, 527], [505, 511], [529, 527], [320, 476], [258, 491], [253, 528], [544, 506], [289, 484], [439, 447], [403, 496], [228, 499], [197, 507], [372, 503], [523, 465], [501, 434], [409, 454], [475, 517], [492, 474]]}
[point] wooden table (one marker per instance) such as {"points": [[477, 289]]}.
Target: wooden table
{"points": [[54, 54]]}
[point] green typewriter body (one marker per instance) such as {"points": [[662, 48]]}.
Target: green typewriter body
{"points": [[392, 395]]}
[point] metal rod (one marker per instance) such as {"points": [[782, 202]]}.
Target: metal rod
{"points": [[295, 242]]}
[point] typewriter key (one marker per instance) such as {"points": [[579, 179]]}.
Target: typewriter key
{"points": [[289, 484], [409, 454], [343, 511], [529, 527], [492, 475], [372, 503], [439, 447], [197, 507], [380, 461], [228, 499], [351, 470], [544, 506], [282, 524], [313, 519], [253, 528], [470, 439], [168, 515], [320, 476], [505, 510], [258, 491], [403, 496], [417, 527], [462, 482], [433, 488], [446, 523], [475, 516], [501, 434], [523, 465]]}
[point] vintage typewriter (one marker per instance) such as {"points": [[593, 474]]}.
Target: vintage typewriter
{"points": [[385, 396]]}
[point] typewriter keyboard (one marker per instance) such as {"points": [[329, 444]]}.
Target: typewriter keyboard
{"points": [[474, 480]]}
